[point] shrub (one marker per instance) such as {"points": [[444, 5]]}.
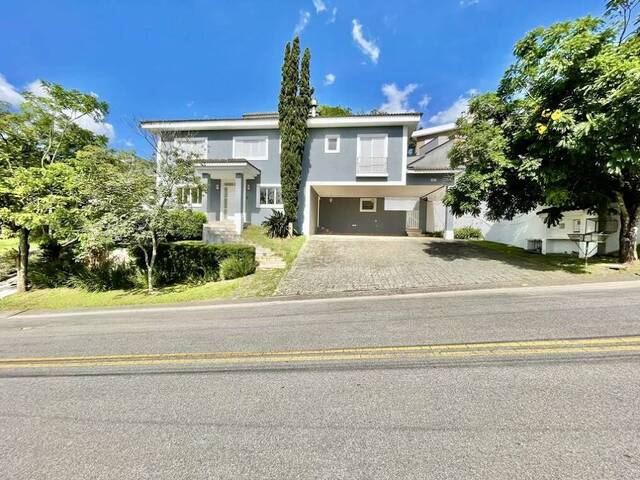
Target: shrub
{"points": [[186, 225], [54, 273], [467, 233], [436, 234], [50, 249], [192, 261], [277, 225], [103, 277], [236, 267]]}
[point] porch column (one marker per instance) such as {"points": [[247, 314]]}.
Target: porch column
{"points": [[239, 202], [206, 193], [448, 222]]}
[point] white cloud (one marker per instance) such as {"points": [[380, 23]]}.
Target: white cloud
{"points": [[368, 47], [8, 93], [36, 88], [455, 111], [302, 22], [329, 79], [334, 13], [468, 3], [397, 100], [320, 6], [424, 101]]}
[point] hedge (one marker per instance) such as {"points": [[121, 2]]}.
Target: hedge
{"points": [[179, 262], [467, 233], [186, 225]]}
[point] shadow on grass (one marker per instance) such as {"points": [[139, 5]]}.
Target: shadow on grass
{"points": [[514, 256]]}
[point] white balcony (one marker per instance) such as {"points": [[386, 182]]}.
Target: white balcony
{"points": [[371, 167]]}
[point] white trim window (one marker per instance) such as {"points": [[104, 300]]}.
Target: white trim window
{"points": [[191, 196], [269, 196], [192, 146], [332, 144], [251, 148], [368, 204], [577, 226], [372, 153]]}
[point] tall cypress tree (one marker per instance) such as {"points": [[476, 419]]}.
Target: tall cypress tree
{"points": [[293, 111]]}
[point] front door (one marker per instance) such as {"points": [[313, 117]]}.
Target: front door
{"points": [[413, 220], [228, 201]]}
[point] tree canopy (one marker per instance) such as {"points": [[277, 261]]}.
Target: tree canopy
{"points": [[562, 130], [334, 111], [38, 147]]}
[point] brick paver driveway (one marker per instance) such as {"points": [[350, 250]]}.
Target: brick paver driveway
{"points": [[329, 263]]}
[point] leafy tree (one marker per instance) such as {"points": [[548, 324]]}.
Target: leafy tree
{"points": [[562, 130], [135, 206], [334, 111], [38, 143], [293, 110]]}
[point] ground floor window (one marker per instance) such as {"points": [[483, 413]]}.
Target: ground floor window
{"points": [[367, 204], [270, 196], [189, 195]]}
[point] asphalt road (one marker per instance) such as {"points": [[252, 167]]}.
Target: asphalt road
{"points": [[367, 388]]}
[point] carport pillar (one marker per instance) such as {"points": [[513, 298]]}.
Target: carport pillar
{"points": [[239, 203], [448, 223]]}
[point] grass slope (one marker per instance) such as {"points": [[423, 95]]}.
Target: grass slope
{"points": [[263, 283]]}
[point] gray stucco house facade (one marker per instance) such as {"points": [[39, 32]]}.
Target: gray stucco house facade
{"points": [[357, 176]]}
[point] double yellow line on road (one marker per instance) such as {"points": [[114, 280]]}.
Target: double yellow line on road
{"points": [[582, 346]]}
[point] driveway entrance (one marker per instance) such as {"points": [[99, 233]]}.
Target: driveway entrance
{"points": [[332, 263]]}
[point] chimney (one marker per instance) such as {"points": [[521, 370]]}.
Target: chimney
{"points": [[314, 108]]}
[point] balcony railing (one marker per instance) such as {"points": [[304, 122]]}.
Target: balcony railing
{"points": [[371, 167]]}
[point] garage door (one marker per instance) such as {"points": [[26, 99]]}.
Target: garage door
{"points": [[359, 216]]}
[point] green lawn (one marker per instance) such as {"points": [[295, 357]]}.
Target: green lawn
{"points": [[263, 283], [7, 244], [599, 265], [287, 248]]}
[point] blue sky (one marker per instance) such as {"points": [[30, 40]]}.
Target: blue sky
{"points": [[204, 58]]}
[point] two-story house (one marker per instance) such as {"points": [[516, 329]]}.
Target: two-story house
{"points": [[357, 176]]}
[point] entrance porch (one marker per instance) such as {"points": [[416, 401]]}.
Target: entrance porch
{"points": [[224, 198]]}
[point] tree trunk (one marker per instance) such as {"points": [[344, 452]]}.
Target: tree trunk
{"points": [[628, 240], [629, 214], [151, 264], [22, 262]]}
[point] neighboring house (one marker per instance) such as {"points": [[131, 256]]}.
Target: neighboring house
{"points": [[432, 149], [525, 231], [357, 177], [530, 232]]}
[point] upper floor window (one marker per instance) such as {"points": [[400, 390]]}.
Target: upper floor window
{"points": [[270, 196], [189, 195], [192, 146], [372, 152], [332, 144], [251, 148]]}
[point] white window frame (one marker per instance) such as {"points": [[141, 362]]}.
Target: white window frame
{"points": [[386, 153], [204, 140], [579, 225], [326, 143], [257, 137], [190, 203], [369, 199], [267, 205]]}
